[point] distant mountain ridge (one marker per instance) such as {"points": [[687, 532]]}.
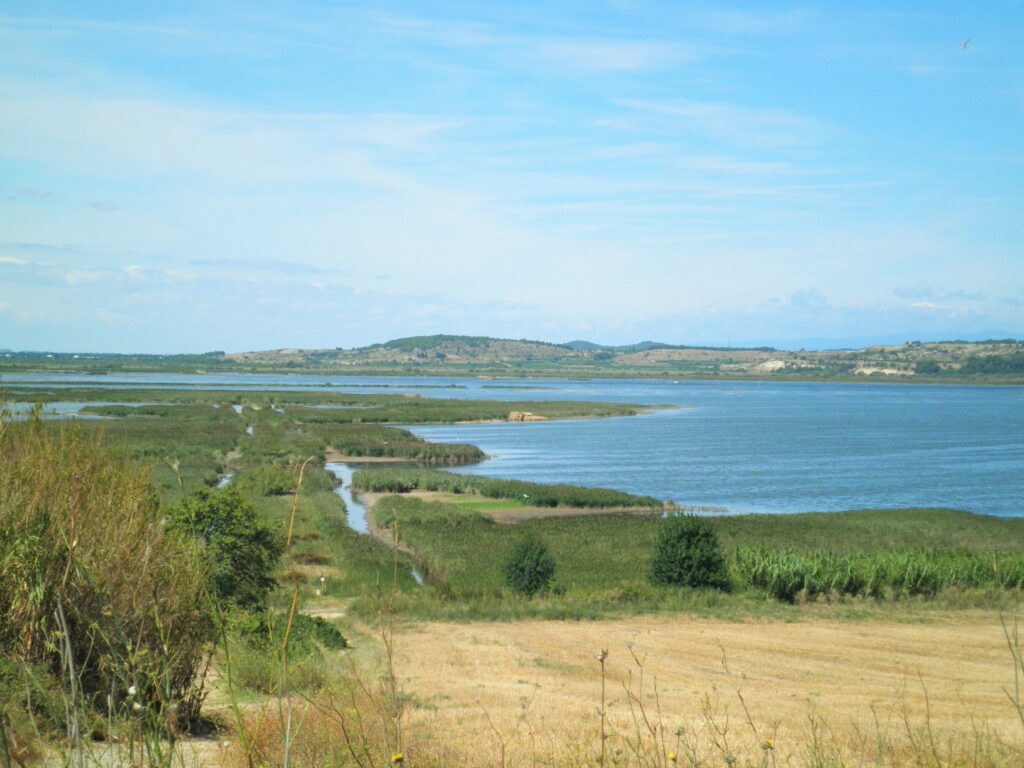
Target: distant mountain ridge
{"points": [[644, 346], [999, 360]]}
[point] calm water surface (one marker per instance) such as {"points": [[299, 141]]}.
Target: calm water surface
{"points": [[744, 446]]}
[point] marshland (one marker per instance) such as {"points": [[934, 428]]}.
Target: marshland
{"points": [[220, 577]]}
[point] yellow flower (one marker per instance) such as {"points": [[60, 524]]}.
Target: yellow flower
{"points": [[397, 758], [671, 757], [768, 744]]}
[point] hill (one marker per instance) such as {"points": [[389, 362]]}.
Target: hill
{"points": [[990, 361]]}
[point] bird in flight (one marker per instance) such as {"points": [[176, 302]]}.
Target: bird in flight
{"points": [[964, 44]]}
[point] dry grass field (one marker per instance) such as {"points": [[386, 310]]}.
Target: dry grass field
{"points": [[922, 692]]}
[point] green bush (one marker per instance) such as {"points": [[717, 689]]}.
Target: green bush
{"points": [[530, 567], [688, 555], [242, 549], [927, 367]]}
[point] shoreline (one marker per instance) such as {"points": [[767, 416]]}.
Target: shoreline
{"points": [[568, 375]]}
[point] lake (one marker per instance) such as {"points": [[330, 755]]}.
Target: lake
{"points": [[741, 446]]}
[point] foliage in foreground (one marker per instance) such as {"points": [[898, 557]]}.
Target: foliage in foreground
{"points": [[92, 584]]}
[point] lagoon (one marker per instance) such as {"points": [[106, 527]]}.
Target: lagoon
{"points": [[739, 446]]}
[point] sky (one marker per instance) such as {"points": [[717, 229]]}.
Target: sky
{"points": [[187, 177]]}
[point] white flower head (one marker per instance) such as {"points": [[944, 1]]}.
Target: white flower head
{"points": [[132, 690]]}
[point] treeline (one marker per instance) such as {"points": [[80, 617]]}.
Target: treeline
{"points": [[404, 480], [994, 364]]}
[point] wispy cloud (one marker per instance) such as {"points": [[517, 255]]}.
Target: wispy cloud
{"points": [[578, 53], [118, 137], [766, 127], [733, 21], [269, 265], [924, 290], [28, 193]]}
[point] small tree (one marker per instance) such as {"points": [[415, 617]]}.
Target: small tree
{"points": [[688, 555], [530, 567], [243, 550]]}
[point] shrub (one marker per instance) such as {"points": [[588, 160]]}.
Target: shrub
{"points": [[530, 567], [688, 555], [31, 710], [256, 661], [241, 548], [276, 480], [87, 568]]}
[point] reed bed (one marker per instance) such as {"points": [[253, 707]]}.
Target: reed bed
{"points": [[403, 480], [784, 574]]}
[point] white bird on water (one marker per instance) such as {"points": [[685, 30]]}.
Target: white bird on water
{"points": [[964, 44]]}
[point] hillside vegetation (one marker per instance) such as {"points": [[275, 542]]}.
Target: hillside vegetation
{"points": [[994, 361]]}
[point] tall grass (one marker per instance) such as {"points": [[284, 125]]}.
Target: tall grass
{"points": [[93, 587], [784, 574]]}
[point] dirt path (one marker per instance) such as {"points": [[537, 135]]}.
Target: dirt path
{"points": [[849, 673]]}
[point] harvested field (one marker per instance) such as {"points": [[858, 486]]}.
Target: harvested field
{"points": [[867, 682]]}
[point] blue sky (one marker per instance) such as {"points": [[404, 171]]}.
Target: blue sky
{"points": [[189, 177]]}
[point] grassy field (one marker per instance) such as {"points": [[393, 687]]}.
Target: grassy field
{"points": [[402, 480], [602, 560]]}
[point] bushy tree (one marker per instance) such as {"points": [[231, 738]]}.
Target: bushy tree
{"points": [[688, 554], [530, 567], [242, 548]]}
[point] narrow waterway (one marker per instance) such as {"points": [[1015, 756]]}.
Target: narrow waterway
{"points": [[355, 511]]}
